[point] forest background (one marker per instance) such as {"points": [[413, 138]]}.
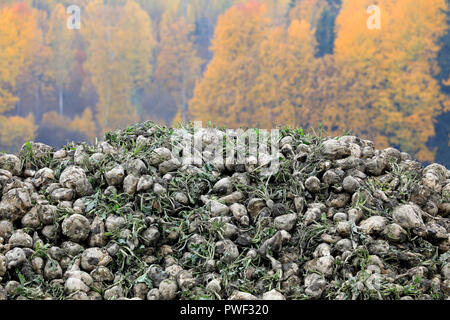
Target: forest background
{"points": [[266, 63]]}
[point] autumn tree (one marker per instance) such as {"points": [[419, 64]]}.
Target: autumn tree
{"points": [[15, 131], [263, 75], [178, 64], [389, 93], [309, 10], [223, 93], [120, 49], [321, 16], [286, 58], [18, 29], [83, 124], [60, 39]]}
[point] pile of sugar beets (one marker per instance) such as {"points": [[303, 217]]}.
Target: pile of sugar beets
{"points": [[126, 219]]}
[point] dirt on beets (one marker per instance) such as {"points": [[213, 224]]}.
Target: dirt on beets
{"points": [[127, 219]]}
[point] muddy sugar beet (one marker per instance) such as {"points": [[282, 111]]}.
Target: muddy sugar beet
{"points": [[146, 214]]}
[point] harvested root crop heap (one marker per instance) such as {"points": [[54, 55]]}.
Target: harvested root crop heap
{"points": [[126, 219]]}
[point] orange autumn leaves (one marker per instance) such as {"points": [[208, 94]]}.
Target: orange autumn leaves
{"points": [[394, 68], [19, 32], [255, 77], [118, 60], [378, 83]]}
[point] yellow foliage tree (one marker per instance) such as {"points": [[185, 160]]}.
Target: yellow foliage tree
{"points": [[223, 95], [84, 124], [309, 10], [18, 30], [120, 49], [286, 61], [178, 64], [261, 75], [60, 40], [15, 131], [388, 92], [177, 120], [54, 119]]}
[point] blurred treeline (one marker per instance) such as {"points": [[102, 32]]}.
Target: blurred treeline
{"points": [[262, 63]]}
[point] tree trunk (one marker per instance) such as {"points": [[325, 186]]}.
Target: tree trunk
{"points": [[37, 101], [18, 105], [108, 92], [61, 100], [108, 101], [184, 107]]}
